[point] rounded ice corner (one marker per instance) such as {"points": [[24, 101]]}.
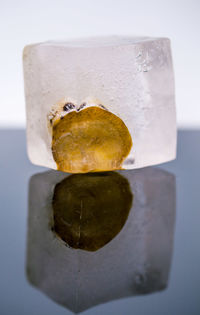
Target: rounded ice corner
{"points": [[167, 39], [26, 51], [29, 49], [30, 156], [36, 159]]}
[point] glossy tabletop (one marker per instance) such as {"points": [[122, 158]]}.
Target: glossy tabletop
{"points": [[132, 245]]}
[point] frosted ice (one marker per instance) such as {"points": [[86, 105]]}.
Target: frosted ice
{"points": [[131, 76]]}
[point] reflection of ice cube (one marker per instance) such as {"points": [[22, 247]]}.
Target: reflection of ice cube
{"points": [[132, 77], [136, 261]]}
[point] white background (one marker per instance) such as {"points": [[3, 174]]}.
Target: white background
{"points": [[23, 22]]}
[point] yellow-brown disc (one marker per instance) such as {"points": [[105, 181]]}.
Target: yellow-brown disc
{"points": [[90, 140], [91, 209]]}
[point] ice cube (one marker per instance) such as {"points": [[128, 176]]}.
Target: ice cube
{"points": [[100, 104]]}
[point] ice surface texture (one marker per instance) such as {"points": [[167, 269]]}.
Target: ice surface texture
{"points": [[132, 77]]}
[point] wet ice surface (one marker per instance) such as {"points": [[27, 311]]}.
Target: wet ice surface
{"points": [[180, 277]]}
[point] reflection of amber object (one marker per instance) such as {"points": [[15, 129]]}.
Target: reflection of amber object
{"points": [[90, 140], [91, 209]]}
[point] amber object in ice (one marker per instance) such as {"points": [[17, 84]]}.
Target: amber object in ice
{"points": [[90, 140]]}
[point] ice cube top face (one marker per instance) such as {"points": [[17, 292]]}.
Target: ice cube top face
{"points": [[100, 104]]}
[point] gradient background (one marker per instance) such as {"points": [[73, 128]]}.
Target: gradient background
{"points": [[23, 22]]}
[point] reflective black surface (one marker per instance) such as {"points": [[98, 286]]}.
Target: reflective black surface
{"points": [[149, 265]]}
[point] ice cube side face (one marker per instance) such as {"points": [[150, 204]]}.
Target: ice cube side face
{"points": [[132, 77]]}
